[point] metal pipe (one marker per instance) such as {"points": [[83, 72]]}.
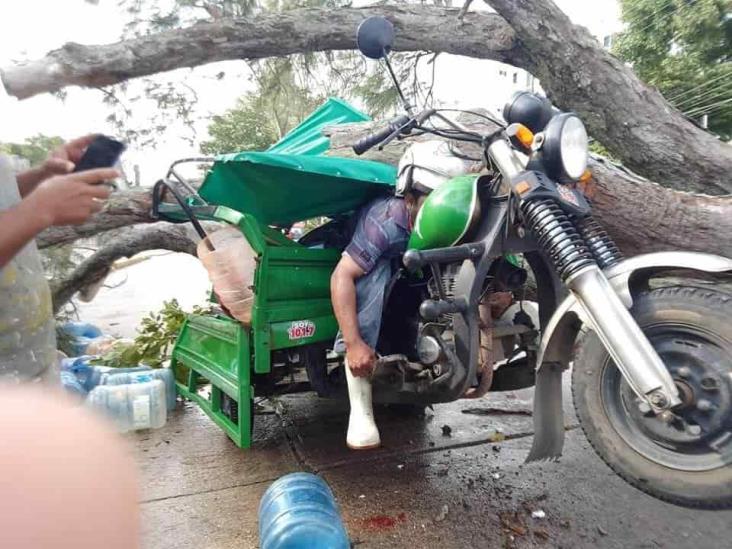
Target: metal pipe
{"points": [[505, 158], [628, 346]]}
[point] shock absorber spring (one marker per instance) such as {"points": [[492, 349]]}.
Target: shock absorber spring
{"points": [[557, 236], [603, 248]]}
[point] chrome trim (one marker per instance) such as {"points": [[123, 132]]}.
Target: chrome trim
{"points": [[505, 158], [624, 340], [620, 274], [619, 277]]}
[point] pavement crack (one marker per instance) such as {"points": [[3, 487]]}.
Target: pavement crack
{"points": [[208, 491], [422, 451]]}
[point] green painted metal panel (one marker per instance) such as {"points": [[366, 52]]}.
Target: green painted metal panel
{"points": [[304, 331], [308, 138], [294, 180], [279, 189], [446, 214], [217, 349]]}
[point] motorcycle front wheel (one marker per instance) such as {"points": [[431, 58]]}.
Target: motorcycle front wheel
{"points": [[686, 459]]}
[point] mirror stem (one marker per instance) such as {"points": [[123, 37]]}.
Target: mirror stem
{"points": [[405, 103]]}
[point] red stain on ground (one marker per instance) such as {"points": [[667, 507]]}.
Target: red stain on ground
{"points": [[383, 522]]}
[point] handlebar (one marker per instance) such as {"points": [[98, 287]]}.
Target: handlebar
{"points": [[371, 140]]}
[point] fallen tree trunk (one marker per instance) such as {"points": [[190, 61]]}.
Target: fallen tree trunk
{"points": [[263, 35], [96, 267], [630, 118], [642, 216]]}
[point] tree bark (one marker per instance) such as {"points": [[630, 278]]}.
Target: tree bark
{"points": [[640, 215], [264, 35], [630, 118], [124, 208], [160, 236]]}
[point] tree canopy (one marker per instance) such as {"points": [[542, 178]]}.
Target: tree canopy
{"points": [[33, 149], [684, 48]]}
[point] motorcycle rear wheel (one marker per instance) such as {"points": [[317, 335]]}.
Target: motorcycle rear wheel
{"points": [[688, 461]]}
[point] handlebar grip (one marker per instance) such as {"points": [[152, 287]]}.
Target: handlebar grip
{"points": [[371, 140]]}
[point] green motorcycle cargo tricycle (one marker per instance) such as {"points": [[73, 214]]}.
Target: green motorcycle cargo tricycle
{"points": [[284, 347], [648, 338]]}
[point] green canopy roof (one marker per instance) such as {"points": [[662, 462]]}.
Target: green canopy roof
{"points": [[293, 180]]}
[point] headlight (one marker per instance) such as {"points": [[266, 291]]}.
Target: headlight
{"points": [[565, 147]]}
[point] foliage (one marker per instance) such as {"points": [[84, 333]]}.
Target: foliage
{"points": [[244, 127], [684, 48], [34, 149], [262, 117], [152, 346]]}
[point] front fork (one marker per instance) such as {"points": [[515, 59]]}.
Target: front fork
{"points": [[579, 250]]}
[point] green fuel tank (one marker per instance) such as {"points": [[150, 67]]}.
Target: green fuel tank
{"points": [[447, 214]]}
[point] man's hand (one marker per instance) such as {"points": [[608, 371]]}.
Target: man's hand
{"points": [[70, 199], [360, 358], [63, 159]]}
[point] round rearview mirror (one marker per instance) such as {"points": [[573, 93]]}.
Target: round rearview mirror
{"points": [[375, 37]]}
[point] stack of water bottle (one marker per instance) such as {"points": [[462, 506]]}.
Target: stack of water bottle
{"points": [[132, 398]]}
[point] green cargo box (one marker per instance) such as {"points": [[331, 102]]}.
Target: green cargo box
{"points": [[291, 182]]}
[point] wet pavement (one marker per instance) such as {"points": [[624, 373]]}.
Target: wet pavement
{"points": [[428, 486]]}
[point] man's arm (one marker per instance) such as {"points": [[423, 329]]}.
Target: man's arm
{"points": [[61, 200], [359, 355], [60, 161], [20, 225]]}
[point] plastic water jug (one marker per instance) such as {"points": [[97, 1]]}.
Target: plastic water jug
{"points": [[163, 374], [298, 511], [132, 406], [230, 262], [80, 334], [90, 376]]}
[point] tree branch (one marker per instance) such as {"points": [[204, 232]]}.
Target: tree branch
{"points": [[264, 35], [630, 118], [640, 215], [160, 236], [124, 208]]}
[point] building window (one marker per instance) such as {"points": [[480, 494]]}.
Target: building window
{"points": [[607, 42], [515, 78], [501, 73]]}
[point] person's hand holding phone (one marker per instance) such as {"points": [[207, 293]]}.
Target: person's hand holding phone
{"points": [[64, 158], [71, 199]]}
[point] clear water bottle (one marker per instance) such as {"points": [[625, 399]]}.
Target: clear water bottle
{"points": [[163, 374], [298, 511], [133, 406]]}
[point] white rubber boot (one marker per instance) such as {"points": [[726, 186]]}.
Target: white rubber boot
{"points": [[362, 431]]}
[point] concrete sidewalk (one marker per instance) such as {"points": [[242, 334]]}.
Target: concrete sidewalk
{"points": [[422, 489]]}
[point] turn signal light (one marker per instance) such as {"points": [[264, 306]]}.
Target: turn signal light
{"points": [[586, 176], [524, 135]]}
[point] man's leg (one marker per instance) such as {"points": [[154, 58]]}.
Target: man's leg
{"points": [[362, 431]]}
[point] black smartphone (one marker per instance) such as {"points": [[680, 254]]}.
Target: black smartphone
{"points": [[103, 152]]}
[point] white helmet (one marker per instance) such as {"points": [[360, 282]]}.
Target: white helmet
{"points": [[427, 165]]}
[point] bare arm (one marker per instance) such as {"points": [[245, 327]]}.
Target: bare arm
{"points": [[20, 225], [359, 355], [61, 200], [60, 162], [29, 180], [343, 296]]}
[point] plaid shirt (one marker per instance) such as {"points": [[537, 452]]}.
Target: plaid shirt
{"points": [[381, 235]]}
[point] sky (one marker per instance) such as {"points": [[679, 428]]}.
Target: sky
{"points": [[29, 29]]}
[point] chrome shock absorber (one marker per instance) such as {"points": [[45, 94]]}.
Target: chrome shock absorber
{"points": [[578, 267], [557, 236], [602, 247]]}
